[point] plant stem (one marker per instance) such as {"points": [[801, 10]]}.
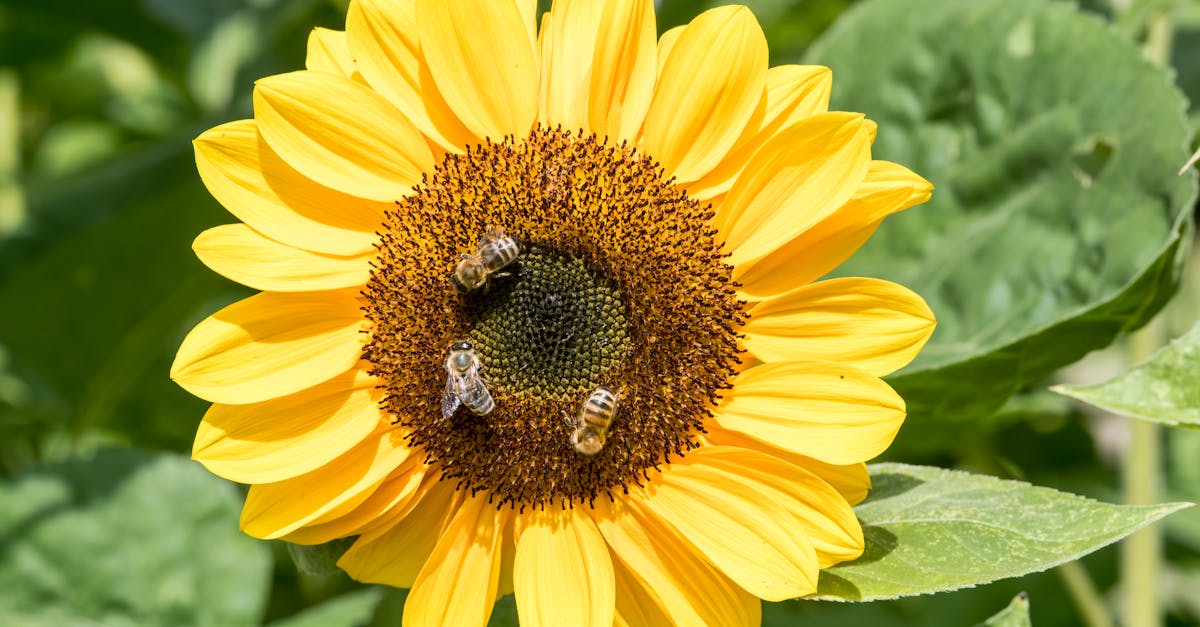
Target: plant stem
{"points": [[1141, 552], [1085, 595]]}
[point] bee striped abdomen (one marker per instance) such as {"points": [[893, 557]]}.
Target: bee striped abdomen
{"points": [[475, 396], [463, 383], [595, 417], [499, 253], [599, 408], [494, 251]]}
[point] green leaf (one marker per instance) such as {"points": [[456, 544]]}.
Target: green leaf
{"points": [[930, 529], [319, 559], [1015, 615], [1058, 220], [348, 610], [1165, 389], [127, 538]]}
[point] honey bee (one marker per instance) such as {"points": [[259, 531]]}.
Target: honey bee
{"points": [[595, 417], [463, 383], [494, 252]]}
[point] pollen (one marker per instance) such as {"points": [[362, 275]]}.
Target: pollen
{"points": [[621, 282]]}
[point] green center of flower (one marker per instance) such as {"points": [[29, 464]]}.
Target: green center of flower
{"points": [[620, 288], [554, 330]]}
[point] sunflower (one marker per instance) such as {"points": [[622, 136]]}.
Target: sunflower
{"points": [[674, 202]]}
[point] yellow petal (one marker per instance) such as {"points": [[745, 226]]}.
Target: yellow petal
{"points": [[382, 35], [832, 412], [636, 605], [676, 578], [623, 69], [666, 43], [254, 184], [710, 85], [276, 509], [367, 149], [877, 326], [793, 93], [393, 555], [850, 480], [394, 493], [291, 435], [886, 189], [563, 574], [481, 56], [568, 46], [529, 12], [271, 345], [240, 253], [598, 62], [328, 52], [796, 180], [508, 556], [816, 508], [457, 586], [739, 529]]}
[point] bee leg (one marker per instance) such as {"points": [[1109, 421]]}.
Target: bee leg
{"points": [[567, 420]]}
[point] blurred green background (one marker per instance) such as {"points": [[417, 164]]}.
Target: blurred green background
{"points": [[102, 519]]}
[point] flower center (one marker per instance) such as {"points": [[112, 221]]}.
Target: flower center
{"points": [[620, 288], [554, 331]]}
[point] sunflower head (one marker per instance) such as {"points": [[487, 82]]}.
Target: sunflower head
{"points": [[540, 312], [603, 233]]}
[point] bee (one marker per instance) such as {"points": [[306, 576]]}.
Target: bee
{"points": [[494, 252], [595, 417], [463, 383]]}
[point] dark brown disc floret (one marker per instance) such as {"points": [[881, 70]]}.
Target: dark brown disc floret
{"points": [[620, 282]]}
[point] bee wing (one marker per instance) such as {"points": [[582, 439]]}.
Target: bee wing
{"points": [[450, 400]]}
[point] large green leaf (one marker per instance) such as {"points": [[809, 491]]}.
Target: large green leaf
{"points": [[1058, 219], [1165, 389], [127, 538], [930, 529]]}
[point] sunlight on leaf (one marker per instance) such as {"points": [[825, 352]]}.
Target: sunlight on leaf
{"points": [[1165, 389], [1056, 223], [929, 530]]}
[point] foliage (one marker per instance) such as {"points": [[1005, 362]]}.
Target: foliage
{"points": [[1162, 390], [1015, 615], [73, 552], [930, 530], [1056, 224]]}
